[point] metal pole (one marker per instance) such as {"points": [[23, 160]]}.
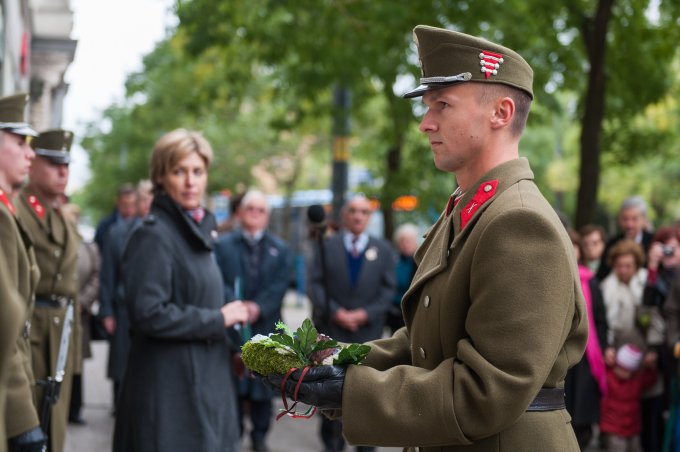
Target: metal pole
{"points": [[341, 129]]}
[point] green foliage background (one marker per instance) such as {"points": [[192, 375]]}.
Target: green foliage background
{"points": [[257, 78]]}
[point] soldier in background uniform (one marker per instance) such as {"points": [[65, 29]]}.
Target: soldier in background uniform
{"points": [[18, 416], [56, 247], [12, 312]]}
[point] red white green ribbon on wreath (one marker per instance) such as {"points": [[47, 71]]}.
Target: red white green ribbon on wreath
{"points": [[290, 411]]}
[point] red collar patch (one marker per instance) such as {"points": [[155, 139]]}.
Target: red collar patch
{"points": [[37, 207], [485, 192], [5, 200]]}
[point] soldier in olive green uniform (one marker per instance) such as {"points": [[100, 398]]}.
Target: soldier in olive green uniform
{"points": [[12, 315], [56, 246], [19, 416], [494, 315]]}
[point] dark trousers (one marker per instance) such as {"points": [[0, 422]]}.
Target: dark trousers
{"points": [[652, 423], [331, 435], [76, 402], [260, 415]]}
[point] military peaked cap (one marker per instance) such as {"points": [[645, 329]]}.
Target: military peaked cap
{"points": [[54, 145], [449, 57], [12, 110]]}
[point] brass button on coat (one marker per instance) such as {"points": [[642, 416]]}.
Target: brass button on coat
{"points": [[422, 352], [427, 301], [56, 320]]}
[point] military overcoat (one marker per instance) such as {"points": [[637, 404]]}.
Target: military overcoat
{"points": [[12, 317], [494, 313], [177, 391], [16, 246], [56, 242]]}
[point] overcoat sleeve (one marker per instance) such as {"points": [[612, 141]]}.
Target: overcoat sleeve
{"points": [[153, 308], [390, 352], [20, 414], [523, 306]]}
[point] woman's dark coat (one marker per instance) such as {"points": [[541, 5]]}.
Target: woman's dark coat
{"points": [[177, 393]]}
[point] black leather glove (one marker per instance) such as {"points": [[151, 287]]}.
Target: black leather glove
{"points": [[33, 440], [321, 386]]}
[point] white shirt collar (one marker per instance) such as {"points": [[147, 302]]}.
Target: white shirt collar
{"points": [[361, 243]]}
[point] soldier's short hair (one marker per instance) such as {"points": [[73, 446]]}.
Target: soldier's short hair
{"points": [[171, 148]]}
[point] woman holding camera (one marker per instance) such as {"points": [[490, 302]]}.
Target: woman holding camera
{"points": [[663, 259]]}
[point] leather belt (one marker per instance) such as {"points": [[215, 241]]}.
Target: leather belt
{"points": [[52, 301], [548, 399]]}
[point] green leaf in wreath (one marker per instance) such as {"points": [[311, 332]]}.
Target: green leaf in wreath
{"points": [[352, 354]]}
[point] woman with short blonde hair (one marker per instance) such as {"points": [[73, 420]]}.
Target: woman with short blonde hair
{"points": [[177, 392]]}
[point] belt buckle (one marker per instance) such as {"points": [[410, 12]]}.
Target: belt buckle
{"points": [[26, 332]]}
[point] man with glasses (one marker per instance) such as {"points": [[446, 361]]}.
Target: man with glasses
{"points": [[357, 282], [255, 268]]}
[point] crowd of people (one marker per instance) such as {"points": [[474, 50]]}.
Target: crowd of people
{"points": [[624, 384], [505, 310]]}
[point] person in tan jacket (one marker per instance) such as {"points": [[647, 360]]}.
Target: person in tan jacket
{"points": [[494, 315]]}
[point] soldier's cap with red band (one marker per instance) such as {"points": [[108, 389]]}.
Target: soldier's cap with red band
{"points": [[12, 109], [54, 145], [449, 57]]}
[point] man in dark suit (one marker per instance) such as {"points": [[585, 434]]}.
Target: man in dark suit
{"points": [[633, 224], [352, 290], [255, 268]]}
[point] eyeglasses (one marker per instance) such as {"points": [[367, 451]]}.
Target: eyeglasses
{"points": [[255, 209], [352, 211]]}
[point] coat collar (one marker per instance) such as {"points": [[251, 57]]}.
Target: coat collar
{"points": [[36, 206], [204, 233], [433, 255], [482, 193]]}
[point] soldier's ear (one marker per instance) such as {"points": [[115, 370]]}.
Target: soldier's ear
{"points": [[503, 112]]}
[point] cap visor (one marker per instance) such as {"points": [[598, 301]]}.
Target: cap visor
{"points": [[422, 89], [419, 91], [56, 159], [23, 130]]}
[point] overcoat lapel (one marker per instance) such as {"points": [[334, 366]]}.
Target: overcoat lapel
{"points": [[434, 262]]}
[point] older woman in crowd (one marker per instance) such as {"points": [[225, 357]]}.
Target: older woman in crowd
{"points": [[177, 392]]}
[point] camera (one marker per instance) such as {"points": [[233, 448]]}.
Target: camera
{"points": [[668, 250]]}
